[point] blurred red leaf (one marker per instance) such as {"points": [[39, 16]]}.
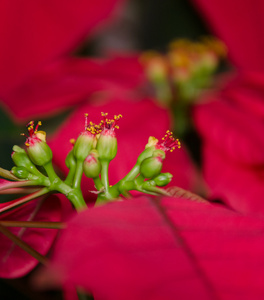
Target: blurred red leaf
{"points": [[67, 82], [233, 131], [245, 50], [15, 262], [239, 186], [165, 248], [231, 126], [36, 33]]}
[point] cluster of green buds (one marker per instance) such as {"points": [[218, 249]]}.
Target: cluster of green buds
{"points": [[180, 75], [185, 69], [91, 154]]}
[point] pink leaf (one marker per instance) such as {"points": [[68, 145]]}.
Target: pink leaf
{"points": [[15, 262], [165, 248]]}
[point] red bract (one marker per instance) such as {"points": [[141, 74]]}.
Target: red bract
{"points": [[141, 119], [163, 248], [231, 123], [67, 82], [44, 77], [245, 50], [34, 34], [15, 262], [239, 186]]}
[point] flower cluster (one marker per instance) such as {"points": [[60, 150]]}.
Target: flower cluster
{"points": [[91, 154], [185, 69], [179, 76]]}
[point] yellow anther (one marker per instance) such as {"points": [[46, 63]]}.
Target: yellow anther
{"points": [[72, 141]]}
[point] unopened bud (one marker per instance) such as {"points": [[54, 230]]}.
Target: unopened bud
{"points": [[23, 173], [39, 152], [92, 165], [163, 179], [151, 167], [21, 159]]}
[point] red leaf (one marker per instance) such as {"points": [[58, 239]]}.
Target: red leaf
{"points": [[166, 248], [15, 262], [246, 51], [65, 83], [235, 132], [45, 31], [241, 187]]}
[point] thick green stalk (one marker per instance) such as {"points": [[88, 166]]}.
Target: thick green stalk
{"points": [[73, 194], [98, 183], [104, 176], [132, 173], [70, 176], [78, 174]]}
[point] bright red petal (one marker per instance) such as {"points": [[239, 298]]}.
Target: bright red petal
{"points": [[68, 82], [246, 51], [235, 132], [240, 186], [35, 33], [161, 249]]}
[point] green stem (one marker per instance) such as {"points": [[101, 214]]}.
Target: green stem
{"points": [[98, 183], [127, 186], [23, 245], [53, 177], [104, 175], [139, 180], [17, 184], [33, 224], [157, 190], [78, 174], [25, 199], [76, 198], [132, 173], [70, 176], [73, 194]]}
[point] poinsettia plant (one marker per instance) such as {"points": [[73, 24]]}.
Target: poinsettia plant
{"points": [[92, 152]]}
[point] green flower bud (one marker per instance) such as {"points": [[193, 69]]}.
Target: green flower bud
{"points": [[145, 154], [162, 179], [86, 140], [159, 153], [83, 145], [20, 172], [38, 150], [21, 159], [107, 142], [107, 147], [151, 167], [92, 165], [23, 173]]}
